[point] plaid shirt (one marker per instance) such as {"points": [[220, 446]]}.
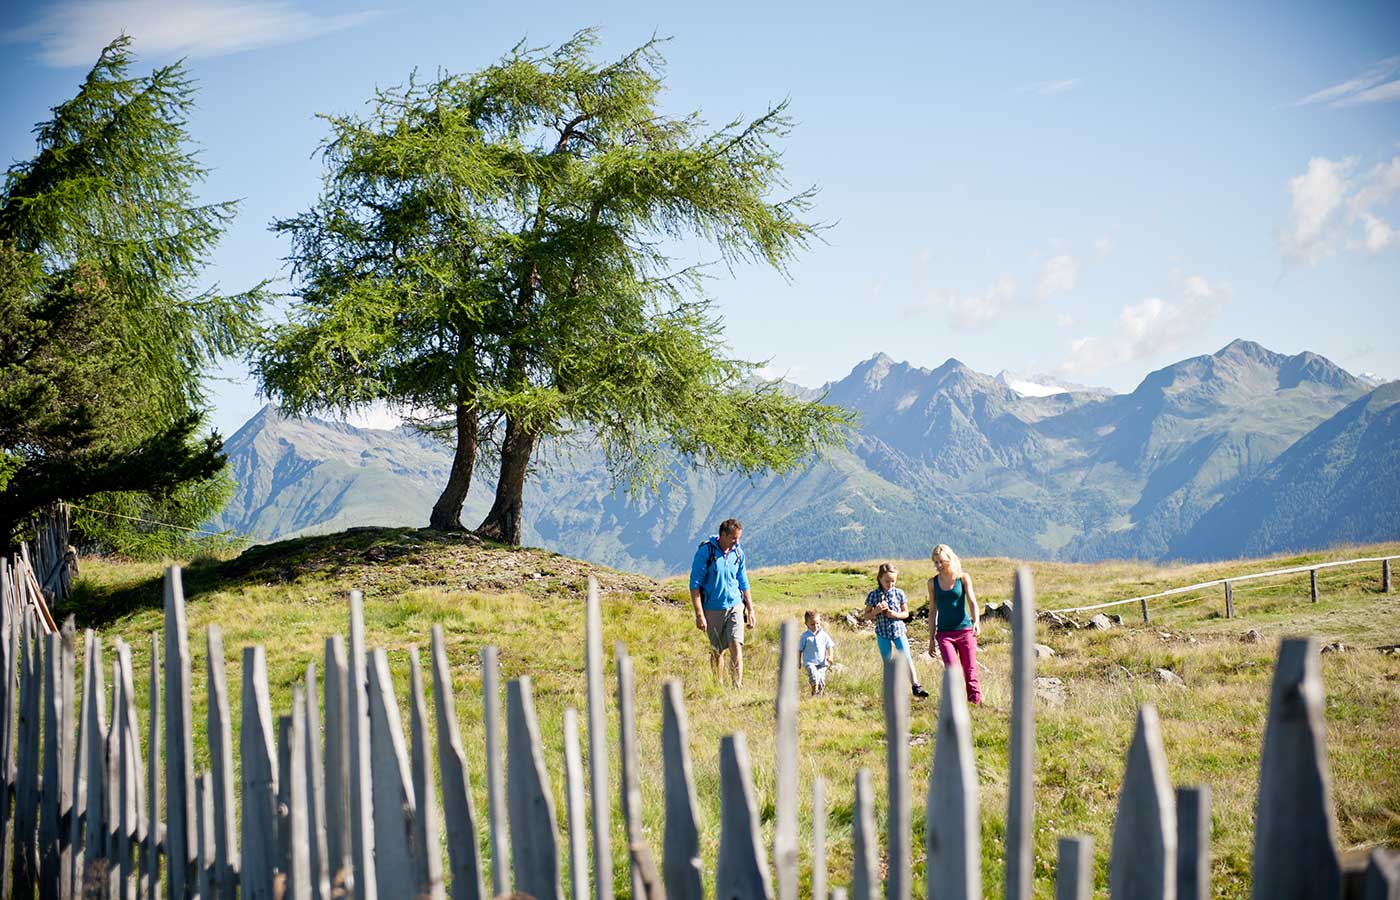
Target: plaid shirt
{"points": [[889, 629]]}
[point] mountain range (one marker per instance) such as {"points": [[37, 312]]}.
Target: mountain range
{"points": [[1241, 451]]}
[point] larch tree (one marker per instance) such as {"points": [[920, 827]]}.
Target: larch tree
{"points": [[104, 333], [496, 253]]}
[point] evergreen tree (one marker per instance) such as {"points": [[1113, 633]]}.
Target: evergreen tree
{"points": [[493, 251], [104, 334]]}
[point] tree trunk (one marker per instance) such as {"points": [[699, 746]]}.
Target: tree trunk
{"points": [[447, 512], [502, 523]]}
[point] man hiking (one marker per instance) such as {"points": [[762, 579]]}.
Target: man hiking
{"points": [[719, 580]]}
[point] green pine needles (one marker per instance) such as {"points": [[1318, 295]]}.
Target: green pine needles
{"points": [[494, 254]]}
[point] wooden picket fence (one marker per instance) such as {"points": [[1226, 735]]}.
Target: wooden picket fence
{"points": [[338, 799], [41, 574]]}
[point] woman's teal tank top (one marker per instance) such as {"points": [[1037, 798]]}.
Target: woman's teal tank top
{"points": [[953, 614]]}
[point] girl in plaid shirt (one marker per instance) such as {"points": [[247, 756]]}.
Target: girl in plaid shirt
{"points": [[888, 606]]}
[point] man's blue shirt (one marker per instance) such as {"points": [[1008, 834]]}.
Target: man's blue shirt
{"points": [[720, 582]]}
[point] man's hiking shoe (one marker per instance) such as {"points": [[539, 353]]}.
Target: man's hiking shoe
{"points": [[920, 692]]}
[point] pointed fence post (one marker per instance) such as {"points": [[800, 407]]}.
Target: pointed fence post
{"points": [[395, 806], [598, 748], [459, 810], [819, 869], [627, 748], [298, 866], [742, 870], [952, 823], [26, 859], [155, 834], [315, 790], [1295, 830], [1193, 843], [338, 731], [56, 769], [1143, 861], [865, 870], [1074, 873], [681, 865], [578, 815], [785, 818], [259, 776], [133, 797], [495, 770], [361, 787], [180, 844], [117, 784], [223, 824], [427, 824], [89, 724], [534, 829], [1020, 803], [9, 672], [284, 799]]}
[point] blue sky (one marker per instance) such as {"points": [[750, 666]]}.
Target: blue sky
{"points": [[1090, 192]]}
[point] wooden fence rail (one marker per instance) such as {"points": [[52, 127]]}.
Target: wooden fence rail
{"points": [[338, 799]]}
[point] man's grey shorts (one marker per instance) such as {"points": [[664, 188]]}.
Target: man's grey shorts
{"points": [[725, 626]]}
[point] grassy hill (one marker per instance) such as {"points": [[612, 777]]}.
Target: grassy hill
{"points": [[289, 596]]}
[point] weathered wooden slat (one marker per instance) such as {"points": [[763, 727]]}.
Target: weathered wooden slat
{"points": [[284, 796], [150, 873], [26, 858], [534, 830], [179, 746], [257, 758], [1020, 799], [680, 864], [1295, 829], [10, 626], [361, 785], [50, 869], [785, 798], [1074, 873], [742, 870], [224, 823], [1142, 865], [631, 799], [133, 796], [459, 809], [117, 786], [577, 814], [598, 748], [952, 817], [897, 835], [427, 831], [1385, 576], [338, 843], [1383, 875], [394, 868], [819, 869], [298, 869], [1229, 602], [91, 723], [1312, 578], [1193, 843], [315, 789], [865, 850], [204, 828], [495, 770], [67, 735]]}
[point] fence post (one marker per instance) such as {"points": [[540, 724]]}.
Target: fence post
{"points": [[283, 825], [9, 705], [152, 850], [952, 818], [298, 867], [135, 827], [179, 745], [1020, 802], [315, 790], [225, 849], [742, 870], [785, 824], [1143, 859], [26, 860], [259, 778], [865, 870], [1295, 832], [495, 771], [1145, 618], [395, 871], [819, 869], [204, 815], [534, 828], [361, 786], [1385, 576], [627, 749], [337, 768], [1074, 872], [51, 801], [896, 689], [1229, 602], [1383, 874], [81, 759], [459, 811], [117, 786], [427, 832], [1193, 843], [598, 749], [1312, 575], [573, 795], [681, 861]]}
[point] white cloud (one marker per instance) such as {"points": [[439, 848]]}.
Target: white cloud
{"points": [[972, 310], [1064, 320], [1148, 328], [72, 32], [1103, 247], [1059, 275], [1047, 88], [1375, 85], [1333, 209]]}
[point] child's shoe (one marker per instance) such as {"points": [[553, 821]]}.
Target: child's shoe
{"points": [[919, 691]]}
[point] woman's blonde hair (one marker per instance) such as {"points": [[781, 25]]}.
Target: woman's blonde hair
{"points": [[954, 563]]}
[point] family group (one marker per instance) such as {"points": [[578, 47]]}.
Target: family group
{"points": [[723, 604]]}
